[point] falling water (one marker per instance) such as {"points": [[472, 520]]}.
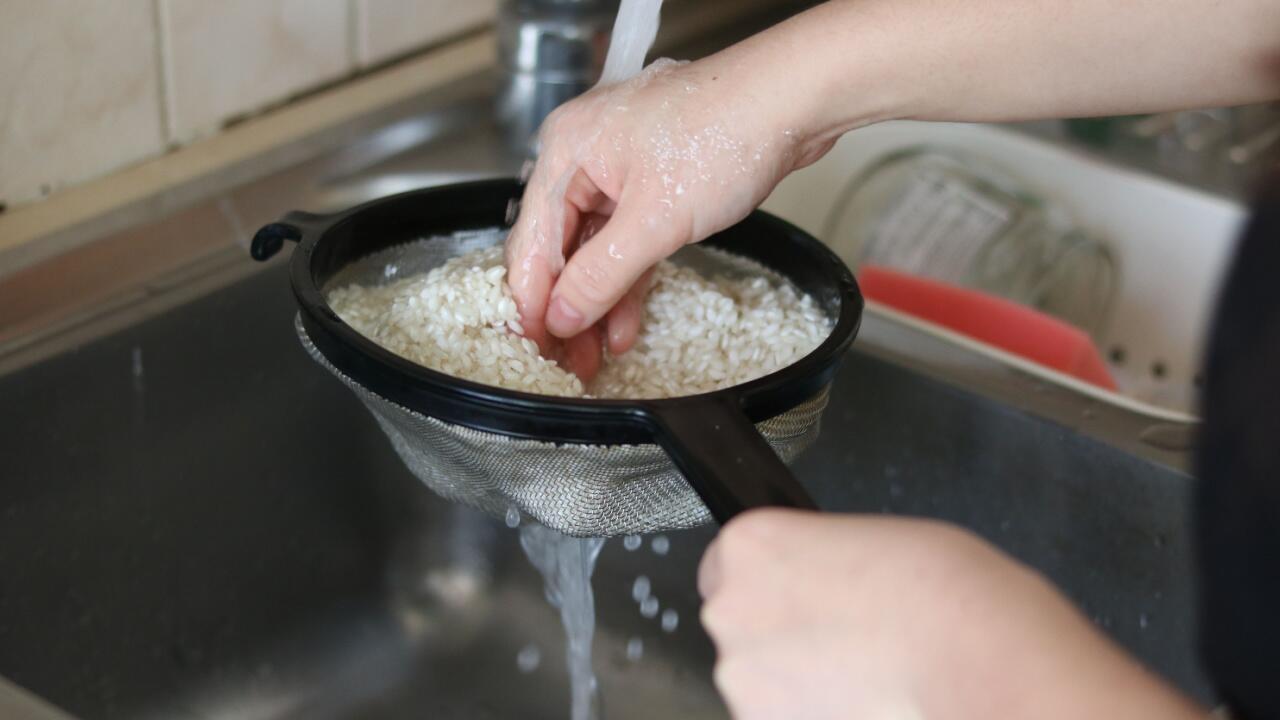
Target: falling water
{"points": [[661, 545], [633, 32], [670, 620], [529, 658], [566, 564], [649, 607], [635, 649], [640, 588]]}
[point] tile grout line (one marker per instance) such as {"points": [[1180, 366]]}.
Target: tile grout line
{"points": [[164, 52]]}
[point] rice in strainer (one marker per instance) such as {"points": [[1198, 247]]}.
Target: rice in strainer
{"points": [[699, 333]]}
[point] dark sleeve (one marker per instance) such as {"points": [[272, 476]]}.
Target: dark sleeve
{"points": [[1238, 466]]}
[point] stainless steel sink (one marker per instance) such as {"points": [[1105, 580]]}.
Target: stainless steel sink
{"points": [[198, 522]]}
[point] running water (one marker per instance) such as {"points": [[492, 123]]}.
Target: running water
{"points": [[566, 564], [633, 32]]}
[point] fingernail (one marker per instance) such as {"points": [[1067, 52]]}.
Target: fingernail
{"points": [[619, 340], [563, 319]]}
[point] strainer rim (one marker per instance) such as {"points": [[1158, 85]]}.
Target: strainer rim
{"points": [[624, 420]]}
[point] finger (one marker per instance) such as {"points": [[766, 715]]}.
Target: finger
{"points": [[710, 570], [623, 321], [551, 220], [589, 224], [582, 354], [585, 196], [602, 270], [755, 686], [534, 255], [531, 279]]}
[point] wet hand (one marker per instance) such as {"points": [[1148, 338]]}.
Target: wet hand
{"points": [[627, 175]]}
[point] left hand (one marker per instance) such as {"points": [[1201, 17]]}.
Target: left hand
{"points": [[844, 616], [628, 174]]}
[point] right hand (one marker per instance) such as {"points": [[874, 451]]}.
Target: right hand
{"points": [[823, 615], [627, 175]]}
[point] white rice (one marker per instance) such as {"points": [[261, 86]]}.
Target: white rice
{"points": [[699, 334]]}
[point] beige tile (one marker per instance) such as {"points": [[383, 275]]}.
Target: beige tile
{"points": [[38, 231], [224, 58], [388, 28], [78, 92]]}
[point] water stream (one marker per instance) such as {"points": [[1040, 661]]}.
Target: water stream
{"points": [[633, 32], [566, 563]]}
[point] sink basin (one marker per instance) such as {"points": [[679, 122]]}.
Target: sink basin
{"points": [[198, 522]]}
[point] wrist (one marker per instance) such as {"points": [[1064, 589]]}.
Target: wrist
{"points": [[817, 75]]}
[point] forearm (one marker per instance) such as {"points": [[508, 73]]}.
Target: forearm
{"points": [[851, 62], [1076, 673]]}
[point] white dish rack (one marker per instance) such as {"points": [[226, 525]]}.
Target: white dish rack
{"points": [[1171, 243]]}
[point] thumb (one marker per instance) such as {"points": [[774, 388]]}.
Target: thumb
{"points": [[601, 272]]}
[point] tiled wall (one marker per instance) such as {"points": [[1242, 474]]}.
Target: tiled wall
{"points": [[89, 86]]}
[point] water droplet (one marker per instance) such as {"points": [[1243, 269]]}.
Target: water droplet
{"points": [[513, 517], [635, 649], [631, 542], [660, 544], [137, 363], [670, 620], [640, 588], [1142, 621], [529, 658], [649, 607]]}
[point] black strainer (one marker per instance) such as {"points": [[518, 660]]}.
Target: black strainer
{"points": [[581, 466]]}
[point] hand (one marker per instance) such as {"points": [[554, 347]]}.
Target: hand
{"points": [[627, 175], [843, 616]]}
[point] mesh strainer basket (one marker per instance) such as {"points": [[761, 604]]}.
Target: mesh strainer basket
{"points": [[585, 467]]}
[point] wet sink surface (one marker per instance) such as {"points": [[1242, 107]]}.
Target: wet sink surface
{"points": [[197, 522]]}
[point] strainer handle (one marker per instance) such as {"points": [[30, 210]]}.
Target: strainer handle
{"points": [[724, 458], [270, 238]]}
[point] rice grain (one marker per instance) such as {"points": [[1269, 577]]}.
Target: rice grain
{"points": [[698, 333]]}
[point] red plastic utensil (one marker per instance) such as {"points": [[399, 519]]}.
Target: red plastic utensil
{"points": [[1014, 328]]}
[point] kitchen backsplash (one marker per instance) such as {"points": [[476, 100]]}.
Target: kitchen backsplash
{"points": [[89, 86]]}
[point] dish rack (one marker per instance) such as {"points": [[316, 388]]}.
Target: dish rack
{"points": [[1148, 253], [940, 213]]}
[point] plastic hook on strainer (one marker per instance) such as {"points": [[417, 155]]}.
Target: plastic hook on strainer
{"points": [[584, 467]]}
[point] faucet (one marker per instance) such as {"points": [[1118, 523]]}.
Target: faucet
{"points": [[548, 52]]}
